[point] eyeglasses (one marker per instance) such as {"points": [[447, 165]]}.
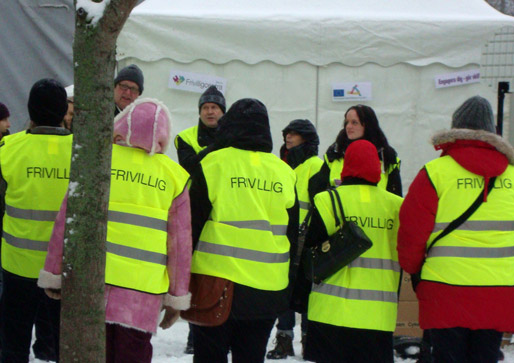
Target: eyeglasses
{"points": [[124, 87]]}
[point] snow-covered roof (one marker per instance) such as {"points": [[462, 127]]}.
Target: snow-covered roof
{"points": [[351, 32]]}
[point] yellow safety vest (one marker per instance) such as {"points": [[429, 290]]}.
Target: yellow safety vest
{"points": [[336, 167], [143, 188], [364, 294], [190, 137], [245, 239], [37, 169], [304, 172], [481, 251]]}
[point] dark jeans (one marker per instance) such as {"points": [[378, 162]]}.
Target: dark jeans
{"points": [[126, 345], [465, 345], [21, 300], [247, 339], [334, 344], [286, 321]]}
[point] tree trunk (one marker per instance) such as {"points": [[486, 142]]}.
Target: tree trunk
{"points": [[83, 311]]}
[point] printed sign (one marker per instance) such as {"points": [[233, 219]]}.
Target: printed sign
{"points": [[351, 91], [195, 82], [457, 78]]}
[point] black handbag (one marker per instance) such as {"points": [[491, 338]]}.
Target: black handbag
{"points": [[341, 248]]}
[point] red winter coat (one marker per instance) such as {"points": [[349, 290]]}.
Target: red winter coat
{"points": [[440, 305]]}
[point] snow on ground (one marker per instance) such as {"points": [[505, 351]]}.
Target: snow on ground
{"points": [[168, 346]]}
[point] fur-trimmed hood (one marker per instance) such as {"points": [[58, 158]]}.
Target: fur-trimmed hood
{"points": [[481, 152]]}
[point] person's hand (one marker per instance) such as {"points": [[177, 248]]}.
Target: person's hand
{"points": [[170, 317], [53, 293]]}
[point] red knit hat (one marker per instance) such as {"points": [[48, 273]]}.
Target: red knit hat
{"points": [[361, 161]]}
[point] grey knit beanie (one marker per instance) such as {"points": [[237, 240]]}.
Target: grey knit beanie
{"points": [[476, 114], [212, 95], [131, 73]]}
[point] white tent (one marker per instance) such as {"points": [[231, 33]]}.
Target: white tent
{"points": [[289, 54]]}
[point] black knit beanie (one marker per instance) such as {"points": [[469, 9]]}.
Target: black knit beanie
{"points": [[4, 111], [212, 95], [131, 73], [476, 114], [304, 128], [47, 103]]}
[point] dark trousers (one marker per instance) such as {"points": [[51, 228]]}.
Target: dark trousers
{"points": [[21, 300], [247, 339], [465, 345], [126, 345], [287, 321], [333, 344]]}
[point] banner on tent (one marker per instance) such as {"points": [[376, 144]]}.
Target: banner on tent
{"points": [[351, 91], [195, 82], [457, 78]]}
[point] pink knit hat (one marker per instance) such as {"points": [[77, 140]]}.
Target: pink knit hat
{"points": [[145, 124]]}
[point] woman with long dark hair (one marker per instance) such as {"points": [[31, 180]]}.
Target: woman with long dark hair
{"points": [[360, 123]]}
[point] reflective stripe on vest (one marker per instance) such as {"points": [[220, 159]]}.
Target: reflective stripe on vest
{"points": [[304, 172], [475, 252], [356, 294], [190, 137], [36, 169], [138, 219], [242, 253], [258, 225], [245, 239], [484, 242], [363, 294], [479, 226], [336, 168]]}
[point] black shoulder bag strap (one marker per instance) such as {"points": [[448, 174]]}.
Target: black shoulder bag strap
{"points": [[340, 207], [302, 232], [331, 192], [457, 222]]}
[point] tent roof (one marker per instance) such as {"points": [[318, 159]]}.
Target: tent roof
{"points": [[318, 32]]}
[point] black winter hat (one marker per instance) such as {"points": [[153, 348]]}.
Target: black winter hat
{"points": [[475, 113], [246, 126], [212, 95], [303, 127], [4, 111], [131, 73], [47, 103]]}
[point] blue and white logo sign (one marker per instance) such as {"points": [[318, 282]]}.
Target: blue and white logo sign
{"points": [[351, 91]]}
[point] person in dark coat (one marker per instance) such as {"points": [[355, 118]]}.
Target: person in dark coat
{"points": [[195, 142], [128, 85], [300, 152], [243, 200]]}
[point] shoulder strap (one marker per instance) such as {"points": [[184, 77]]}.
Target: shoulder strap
{"points": [[340, 205], [302, 230], [457, 222], [331, 192]]}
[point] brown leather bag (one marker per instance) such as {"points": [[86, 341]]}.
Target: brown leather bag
{"points": [[211, 300]]}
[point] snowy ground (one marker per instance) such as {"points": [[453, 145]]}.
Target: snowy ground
{"points": [[169, 347]]}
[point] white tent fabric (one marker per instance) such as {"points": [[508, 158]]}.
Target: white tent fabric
{"points": [[317, 32], [289, 53]]}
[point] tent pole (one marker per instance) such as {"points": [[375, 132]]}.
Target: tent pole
{"points": [[317, 97], [503, 87]]}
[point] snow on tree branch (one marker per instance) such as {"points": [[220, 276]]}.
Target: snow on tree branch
{"points": [[93, 11]]}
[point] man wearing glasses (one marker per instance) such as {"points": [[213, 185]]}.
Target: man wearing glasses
{"points": [[128, 85]]}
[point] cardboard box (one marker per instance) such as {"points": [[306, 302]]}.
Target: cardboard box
{"points": [[407, 322], [406, 291], [508, 339]]}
